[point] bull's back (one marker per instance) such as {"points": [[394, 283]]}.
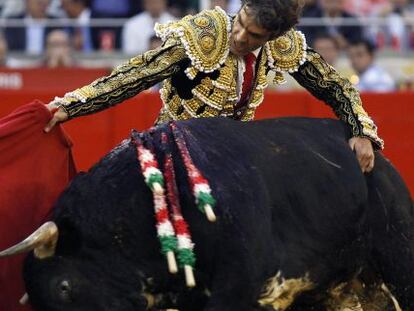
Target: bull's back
{"points": [[296, 155], [297, 176]]}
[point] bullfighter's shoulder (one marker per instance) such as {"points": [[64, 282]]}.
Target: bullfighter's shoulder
{"points": [[205, 37], [287, 52]]}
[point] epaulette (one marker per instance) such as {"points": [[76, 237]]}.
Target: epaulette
{"points": [[286, 53], [205, 37]]}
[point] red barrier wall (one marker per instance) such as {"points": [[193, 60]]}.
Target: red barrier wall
{"points": [[95, 135]]}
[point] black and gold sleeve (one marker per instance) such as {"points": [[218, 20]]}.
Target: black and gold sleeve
{"points": [[324, 82], [125, 81]]}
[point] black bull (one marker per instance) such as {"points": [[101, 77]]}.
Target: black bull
{"points": [[295, 218]]}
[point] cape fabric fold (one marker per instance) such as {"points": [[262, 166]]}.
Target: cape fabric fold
{"points": [[35, 167]]}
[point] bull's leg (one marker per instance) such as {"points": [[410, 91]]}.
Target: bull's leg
{"points": [[391, 219]]}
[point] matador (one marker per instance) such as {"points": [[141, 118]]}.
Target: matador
{"points": [[213, 64]]}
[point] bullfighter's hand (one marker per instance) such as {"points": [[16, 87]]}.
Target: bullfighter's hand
{"points": [[59, 115], [364, 152]]}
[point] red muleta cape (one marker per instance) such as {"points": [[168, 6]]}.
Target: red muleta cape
{"points": [[34, 169]]}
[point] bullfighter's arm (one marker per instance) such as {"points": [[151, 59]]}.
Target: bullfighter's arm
{"points": [[127, 80], [324, 82]]}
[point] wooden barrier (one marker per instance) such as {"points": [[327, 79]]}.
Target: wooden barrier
{"points": [[95, 135]]}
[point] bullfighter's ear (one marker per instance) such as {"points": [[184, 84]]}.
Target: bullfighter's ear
{"points": [[43, 241]]}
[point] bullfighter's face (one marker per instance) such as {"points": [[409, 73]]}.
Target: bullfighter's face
{"points": [[246, 36]]}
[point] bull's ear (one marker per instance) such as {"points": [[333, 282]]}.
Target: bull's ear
{"points": [[43, 241]]}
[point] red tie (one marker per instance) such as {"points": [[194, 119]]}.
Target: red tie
{"points": [[249, 60]]}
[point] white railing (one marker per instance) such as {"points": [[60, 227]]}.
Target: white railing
{"points": [[364, 21], [64, 22]]}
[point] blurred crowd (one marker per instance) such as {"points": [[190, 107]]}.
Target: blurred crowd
{"points": [[359, 29], [54, 31], [40, 18], [386, 23]]}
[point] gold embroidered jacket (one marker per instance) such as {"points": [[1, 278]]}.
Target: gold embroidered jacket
{"points": [[199, 76]]}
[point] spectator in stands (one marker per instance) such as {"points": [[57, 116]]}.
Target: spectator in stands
{"points": [[104, 37], [139, 29], [55, 8], [81, 35], [193, 6], [179, 8], [332, 10], [59, 52], [31, 37], [371, 77], [12, 8], [115, 8], [327, 47], [396, 32], [365, 8], [309, 6]]}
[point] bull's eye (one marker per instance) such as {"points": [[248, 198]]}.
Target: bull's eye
{"points": [[65, 289]]}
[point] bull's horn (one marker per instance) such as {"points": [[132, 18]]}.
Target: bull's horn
{"points": [[43, 241], [24, 300]]}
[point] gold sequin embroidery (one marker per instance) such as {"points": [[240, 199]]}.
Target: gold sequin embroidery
{"points": [[125, 81], [286, 53], [205, 38]]}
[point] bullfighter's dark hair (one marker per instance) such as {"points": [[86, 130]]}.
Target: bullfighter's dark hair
{"points": [[276, 16]]}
